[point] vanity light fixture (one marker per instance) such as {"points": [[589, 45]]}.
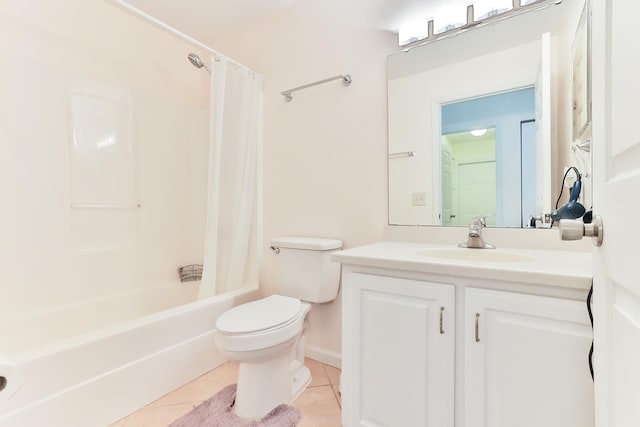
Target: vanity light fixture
{"points": [[483, 9], [478, 132], [413, 31], [477, 15], [449, 19]]}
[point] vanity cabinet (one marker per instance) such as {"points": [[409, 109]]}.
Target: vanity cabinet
{"points": [[526, 361], [432, 350], [399, 357]]}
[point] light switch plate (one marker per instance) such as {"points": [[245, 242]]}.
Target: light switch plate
{"points": [[419, 199]]}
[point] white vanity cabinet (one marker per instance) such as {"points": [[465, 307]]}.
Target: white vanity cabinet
{"points": [[400, 352], [433, 344], [526, 361]]}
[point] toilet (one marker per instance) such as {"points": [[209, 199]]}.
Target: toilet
{"points": [[267, 337]]}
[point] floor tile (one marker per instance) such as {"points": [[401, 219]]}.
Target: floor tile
{"points": [[318, 373], [318, 407], [333, 374], [336, 393], [202, 387], [319, 403], [160, 416]]}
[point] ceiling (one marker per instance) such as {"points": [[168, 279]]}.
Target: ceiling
{"points": [[208, 20]]}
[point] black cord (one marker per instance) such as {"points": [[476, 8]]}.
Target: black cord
{"points": [[562, 183], [591, 319]]}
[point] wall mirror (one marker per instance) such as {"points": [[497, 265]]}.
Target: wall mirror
{"points": [[480, 123]]}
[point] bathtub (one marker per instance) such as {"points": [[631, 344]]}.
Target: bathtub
{"points": [[90, 364]]}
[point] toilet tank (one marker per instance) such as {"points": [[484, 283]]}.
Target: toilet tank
{"points": [[303, 268]]}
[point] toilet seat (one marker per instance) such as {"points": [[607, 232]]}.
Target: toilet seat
{"points": [[259, 315], [272, 321]]}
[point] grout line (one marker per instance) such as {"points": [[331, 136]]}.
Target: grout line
{"points": [[324, 368], [192, 402], [333, 386], [336, 395]]}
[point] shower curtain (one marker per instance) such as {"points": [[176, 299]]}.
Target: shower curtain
{"points": [[231, 237]]}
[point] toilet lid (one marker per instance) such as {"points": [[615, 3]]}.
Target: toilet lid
{"points": [[259, 315]]}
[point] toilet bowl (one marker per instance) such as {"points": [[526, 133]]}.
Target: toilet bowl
{"points": [[267, 337]]}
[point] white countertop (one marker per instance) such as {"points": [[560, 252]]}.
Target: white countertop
{"points": [[546, 267]]}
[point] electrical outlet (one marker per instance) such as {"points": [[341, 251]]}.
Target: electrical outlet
{"points": [[419, 199]]}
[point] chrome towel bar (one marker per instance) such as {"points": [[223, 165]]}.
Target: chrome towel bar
{"points": [[288, 94], [401, 154]]}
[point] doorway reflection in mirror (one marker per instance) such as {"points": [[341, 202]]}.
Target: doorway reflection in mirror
{"points": [[488, 159]]}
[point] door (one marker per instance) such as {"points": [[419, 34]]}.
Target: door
{"points": [[476, 192], [616, 151], [399, 359], [525, 361]]}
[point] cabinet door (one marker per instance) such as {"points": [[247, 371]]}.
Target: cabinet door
{"points": [[398, 355], [526, 361]]}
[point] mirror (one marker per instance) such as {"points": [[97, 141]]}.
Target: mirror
{"points": [[488, 159], [512, 78]]}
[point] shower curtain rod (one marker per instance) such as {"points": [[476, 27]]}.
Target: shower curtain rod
{"points": [[346, 81], [123, 4]]}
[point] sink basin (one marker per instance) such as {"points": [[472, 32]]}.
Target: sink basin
{"points": [[474, 255]]}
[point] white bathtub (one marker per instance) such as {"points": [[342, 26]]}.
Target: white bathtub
{"points": [[90, 364]]}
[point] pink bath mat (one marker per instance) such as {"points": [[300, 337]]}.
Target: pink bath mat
{"points": [[216, 412]]}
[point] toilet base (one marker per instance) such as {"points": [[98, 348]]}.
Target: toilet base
{"points": [[300, 379], [264, 385], [271, 376]]}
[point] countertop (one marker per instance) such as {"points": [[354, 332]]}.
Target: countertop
{"points": [[546, 267]]}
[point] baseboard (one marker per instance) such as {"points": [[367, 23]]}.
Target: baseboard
{"points": [[325, 356]]}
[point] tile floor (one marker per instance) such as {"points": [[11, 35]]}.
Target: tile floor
{"points": [[319, 404]]}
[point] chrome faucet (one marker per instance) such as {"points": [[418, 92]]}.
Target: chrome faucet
{"points": [[475, 235]]}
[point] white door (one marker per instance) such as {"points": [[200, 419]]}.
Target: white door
{"points": [[399, 359], [616, 151], [526, 361], [476, 192]]}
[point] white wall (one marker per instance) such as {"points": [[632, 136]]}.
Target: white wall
{"points": [[55, 254], [324, 152]]}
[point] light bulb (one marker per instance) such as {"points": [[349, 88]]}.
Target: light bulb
{"points": [[478, 132], [483, 9], [412, 32]]}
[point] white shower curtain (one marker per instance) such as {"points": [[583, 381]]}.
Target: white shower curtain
{"points": [[230, 256]]}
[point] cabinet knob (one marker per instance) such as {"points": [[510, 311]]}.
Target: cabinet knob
{"points": [[477, 327], [441, 320]]}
